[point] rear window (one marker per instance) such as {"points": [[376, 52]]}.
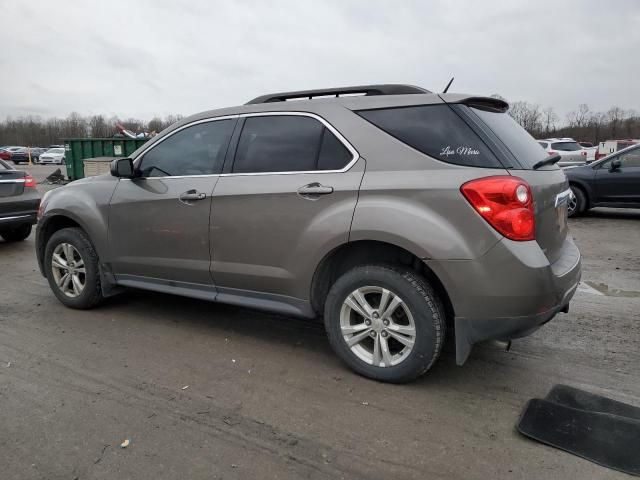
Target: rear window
{"points": [[437, 131], [522, 146], [4, 166], [566, 146]]}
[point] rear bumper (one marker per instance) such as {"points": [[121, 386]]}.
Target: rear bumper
{"points": [[20, 209], [508, 293], [17, 220]]}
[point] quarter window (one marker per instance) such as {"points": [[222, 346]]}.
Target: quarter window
{"points": [[195, 150], [288, 143], [435, 130]]}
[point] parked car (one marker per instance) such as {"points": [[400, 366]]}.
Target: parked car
{"points": [[19, 201], [612, 146], [53, 155], [20, 155], [571, 153], [36, 152], [613, 181], [5, 152], [458, 221], [591, 150]]}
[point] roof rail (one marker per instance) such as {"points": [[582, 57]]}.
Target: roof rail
{"points": [[388, 89]]}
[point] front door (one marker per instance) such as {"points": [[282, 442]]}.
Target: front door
{"points": [[620, 185], [159, 221], [290, 194]]}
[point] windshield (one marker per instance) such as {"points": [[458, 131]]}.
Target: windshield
{"points": [[523, 146], [566, 146]]}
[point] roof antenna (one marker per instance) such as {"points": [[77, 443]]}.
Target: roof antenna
{"points": [[448, 85]]}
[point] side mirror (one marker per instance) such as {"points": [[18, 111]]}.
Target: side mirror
{"points": [[122, 168], [615, 165]]}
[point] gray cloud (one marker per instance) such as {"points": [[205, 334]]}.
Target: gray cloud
{"points": [[158, 57]]}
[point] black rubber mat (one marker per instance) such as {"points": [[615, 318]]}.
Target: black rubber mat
{"points": [[609, 440], [574, 398]]}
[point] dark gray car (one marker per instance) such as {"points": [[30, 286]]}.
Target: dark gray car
{"points": [[395, 213], [19, 201]]}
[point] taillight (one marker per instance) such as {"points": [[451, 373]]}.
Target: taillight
{"points": [[599, 155], [552, 152], [506, 203], [583, 153], [30, 182]]}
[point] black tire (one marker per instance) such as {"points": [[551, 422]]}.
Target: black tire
{"points": [[91, 294], [423, 304], [16, 234], [580, 202]]}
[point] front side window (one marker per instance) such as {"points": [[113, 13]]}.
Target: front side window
{"points": [[288, 143], [195, 150], [435, 130]]}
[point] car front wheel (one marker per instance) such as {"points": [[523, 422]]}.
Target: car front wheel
{"points": [[577, 202], [385, 322], [71, 266]]}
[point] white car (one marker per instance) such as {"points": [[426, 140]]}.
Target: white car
{"points": [[591, 150], [53, 155], [570, 151]]}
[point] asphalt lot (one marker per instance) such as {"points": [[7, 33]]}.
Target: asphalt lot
{"points": [[206, 391]]}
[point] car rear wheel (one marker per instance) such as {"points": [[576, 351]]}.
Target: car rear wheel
{"points": [[16, 234], [71, 266], [577, 202], [385, 322]]}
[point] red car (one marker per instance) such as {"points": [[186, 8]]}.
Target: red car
{"points": [[5, 154]]}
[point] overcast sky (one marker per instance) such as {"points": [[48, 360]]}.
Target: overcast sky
{"points": [[157, 57]]}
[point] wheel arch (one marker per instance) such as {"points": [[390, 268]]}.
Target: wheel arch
{"points": [[46, 228], [351, 254], [584, 189]]}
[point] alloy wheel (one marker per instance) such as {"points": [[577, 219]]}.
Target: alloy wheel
{"points": [[573, 203], [68, 269], [377, 325]]}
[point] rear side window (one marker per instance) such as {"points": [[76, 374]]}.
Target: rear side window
{"points": [[543, 144], [435, 130], [288, 143], [195, 150], [566, 146]]}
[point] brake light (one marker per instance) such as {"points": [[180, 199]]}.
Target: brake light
{"points": [[552, 152], [30, 182], [599, 155], [583, 153], [506, 203]]}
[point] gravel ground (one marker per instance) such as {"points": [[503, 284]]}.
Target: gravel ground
{"points": [[205, 391]]}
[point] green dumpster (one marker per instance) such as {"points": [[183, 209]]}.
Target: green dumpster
{"points": [[79, 149]]}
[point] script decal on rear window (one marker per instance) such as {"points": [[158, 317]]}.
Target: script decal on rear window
{"points": [[462, 150]]}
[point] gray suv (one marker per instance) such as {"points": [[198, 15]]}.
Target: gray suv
{"points": [[394, 213]]}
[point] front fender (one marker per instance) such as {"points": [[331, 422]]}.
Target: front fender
{"points": [[85, 203]]}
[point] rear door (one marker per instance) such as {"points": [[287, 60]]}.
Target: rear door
{"points": [[289, 193], [621, 185], [159, 222]]}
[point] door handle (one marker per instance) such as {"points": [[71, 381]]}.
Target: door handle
{"points": [[191, 196], [314, 190]]}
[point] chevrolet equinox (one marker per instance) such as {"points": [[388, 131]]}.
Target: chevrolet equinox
{"points": [[394, 213]]}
